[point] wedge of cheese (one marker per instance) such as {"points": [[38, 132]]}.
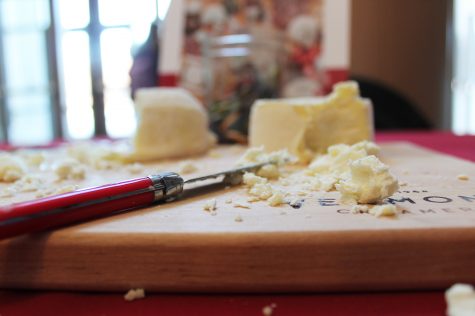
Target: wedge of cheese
{"points": [[171, 123], [309, 125]]}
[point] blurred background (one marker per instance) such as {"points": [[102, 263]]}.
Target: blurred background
{"points": [[65, 64]]}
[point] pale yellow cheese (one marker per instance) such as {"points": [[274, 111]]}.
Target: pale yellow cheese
{"points": [[309, 125], [171, 123]]}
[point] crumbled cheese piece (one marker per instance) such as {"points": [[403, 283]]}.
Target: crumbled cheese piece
{"points": [[336, 163], [135, 168], [11, 168], [104, 155], [355, 209], [134, 294], [460, 300], [238, 219], [269, 309], [250, 179], [33, 158], [210, 205], [187, 167], [6, 193], [69, 168], [259, 155], [270, 171], [261, 190], [241, 204], [369, 181], [28, 184], [60, 190], [228, 201], [276, 199], [383, 210], [253, 199], [463, 177]]}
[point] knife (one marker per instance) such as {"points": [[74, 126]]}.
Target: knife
{"points": [[81, 205]]}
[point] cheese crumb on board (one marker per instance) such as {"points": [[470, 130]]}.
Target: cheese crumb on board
{"points": [[250, 179], [238, 219], [355, 209], [135, 168], [312, 124], [241, 204], [187, 167], [69, 168], [171, 123], [276, 199], [269, 171], [57, 190], [460, 300], [210, 205], [463, 177], [369, 181], [134, 294], [383, 210], [11, 168], [228, 201], [261, 190]]}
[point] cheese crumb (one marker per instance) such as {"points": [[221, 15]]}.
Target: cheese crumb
{"points": [[69, 168], [240, 204], [261, 190], [356, 209], [383, 210], [269, 309], [269, 171], [250, 179], [368, 182], [187, 167], [134, 294], [460, 300], [228, 201], [135, 168], [463, 177], [11, 168], [238, 219], [276, 199], [210, 205]]}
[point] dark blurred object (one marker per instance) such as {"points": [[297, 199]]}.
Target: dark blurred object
{"points": [[144, 70], [391, 109]]}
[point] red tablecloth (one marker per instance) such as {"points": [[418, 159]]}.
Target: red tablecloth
{"points": [[393, 303]]}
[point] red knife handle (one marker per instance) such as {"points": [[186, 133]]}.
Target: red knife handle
{"points": [[67, 208]]}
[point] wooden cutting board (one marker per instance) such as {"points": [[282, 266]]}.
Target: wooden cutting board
{"points": [[178, 247]]}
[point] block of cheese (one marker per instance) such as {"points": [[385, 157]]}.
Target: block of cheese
{"points": [[171, 123], [309, 125]]}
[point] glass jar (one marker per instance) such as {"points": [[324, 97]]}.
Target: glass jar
{"points": [[238, 69]]}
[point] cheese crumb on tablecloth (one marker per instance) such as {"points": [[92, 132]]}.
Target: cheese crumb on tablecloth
{"points": [[460, 300], [463, 177], [238, 219], [269, 309], [134, 294]]}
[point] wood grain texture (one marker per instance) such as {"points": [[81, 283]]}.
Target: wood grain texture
{"points": [[178, 247]]}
